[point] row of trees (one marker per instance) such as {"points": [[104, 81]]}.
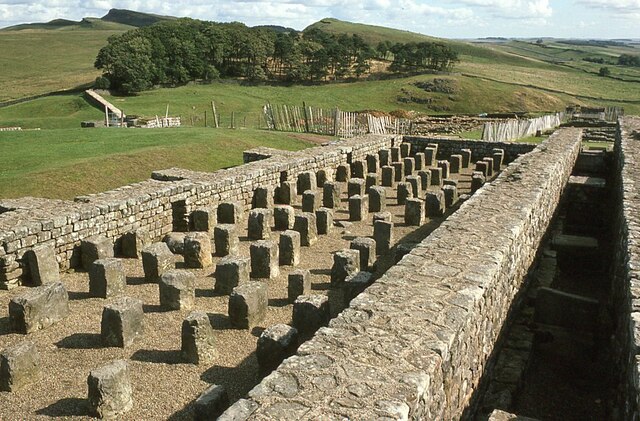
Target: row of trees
{"points": [[176, 52]]}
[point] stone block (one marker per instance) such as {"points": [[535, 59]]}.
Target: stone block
{"points": [[264, 259], [306, 181], [310, 201], [204, 220], [358, 169], [434, 146], [402, 250], [122, 322], [331, 195], [404, 192], [388, 176], [19, 366], [276, 343], [310, 313], [398, 171], [38, 308], [497, 160], [372, 163], [430, 156], [425, 178], [444, 165], [489, 162], [94, 248], [284, 217], [358, 208], [483, 167], [384, 156], [299, 283], [405, 149], [382, 216], [367, 248], [354, 285], [343, 173], [230, 272], [42, 265], [324, 176], [290, 248], [377, 199], [197, 250], [450, 182], [229, 213], [571, 311], [345, 263], [466, 157], [177, 290], [383, 234], [262, 197], [450, 195], [286, 193], [455, 164], [109, 390], [436, 176], [156, 260], [197, 345], [107, 278], [132, 242], [356, 186], [395, 154], [306, 225], [419, 161], [225, 238], [434, 203], [248, 305], [211, 403], [414, 212], [259, 224], [409, 166], [371, 180], [416, 185], [324, 221], [173, 240]]}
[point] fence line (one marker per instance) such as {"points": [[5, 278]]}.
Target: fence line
{"points": [[514, 129], [308, 119]]}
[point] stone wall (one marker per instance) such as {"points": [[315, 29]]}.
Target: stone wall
{"points": [[479, 148], [415, 343]]}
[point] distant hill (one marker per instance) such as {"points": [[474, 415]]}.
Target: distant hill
{"points": [[372, 34], [276, 28], [131, 18]]}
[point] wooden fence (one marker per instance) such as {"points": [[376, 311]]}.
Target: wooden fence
{"points": [[307, 119], [505, 131]]}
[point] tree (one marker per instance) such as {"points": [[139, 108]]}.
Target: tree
{"points": [[604, 72]]}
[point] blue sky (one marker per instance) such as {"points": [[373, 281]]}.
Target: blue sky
{"points": [[444, 18]]}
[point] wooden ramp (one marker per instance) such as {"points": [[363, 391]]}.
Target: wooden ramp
{"points": [[99, 100]]}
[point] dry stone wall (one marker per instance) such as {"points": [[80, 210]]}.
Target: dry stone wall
{"points": [[479, 148], [415, 343]]}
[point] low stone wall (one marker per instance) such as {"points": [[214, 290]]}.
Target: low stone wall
{"points": [[479, 148], [415, 343], [625, 293]]}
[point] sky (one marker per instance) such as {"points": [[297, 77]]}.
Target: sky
{"points": [[442, 18]]}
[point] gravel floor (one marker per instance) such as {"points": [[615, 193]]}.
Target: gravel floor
{"points": [[165, 387]]}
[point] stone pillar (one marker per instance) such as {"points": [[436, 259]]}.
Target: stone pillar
{"points": [[109, 390], [310, 202], [262, 198], [430, 157], [264, 259], [259, 224], [290, 248], [425, 177], [450, 195], [307, 181], [372, 180], [405, 149], [156, 260], [324, 221], [388, 176], [477, 181], [455, 164], [498, 159], [450, 182], [229, 213], [433, 146], [416, 185], [231, 272], [382, 216], [286, 192], [385, 157], [356, 186], [132, 242], [43, 265], [358, 169], [345, 262], [226, 239], [211, 403], [343, 172], [310, 313], [107, 278], [38, 308], [398, 171], [377, 199], [367, 248], [466, 157], [284, 217], [248, 305], [409, 166], [414, 212], [177, 290], [436, 176], [419, 161], [483, 167], [404, 192], [198, 346], [306, 225], [197, 250], [94, 248], [331, 195], [358, 207], [276, 343], [174, 241], [383, 234], [372, 164], [299, 283], [395, 154], [19, 366], [434, 202], [445, 168], [324, 176], [489, 162], [354, 285], [122, 322]]}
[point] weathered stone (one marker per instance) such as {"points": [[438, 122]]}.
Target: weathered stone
{"points": [[38, 308], [489, 162], [324, 221], [284, 217], [402, 250], [409, 166], [425, 178], [132, 242], [450, 195], [372, 163], [444, 165], [310, 313], [306, 225], [173, 240], [262, 197], [356, 186], [107, 278], [343, 172], [414, 212], [43, 266], [358, 207], [248, 305], [197, 346], [377, 199], [264, 259], [419, 161], [226, 239], [434, 203], [310, 201], [211, 403], [299, 283], [450, 182], [372, 180], [388, 176], [455, 164], [345, 262], [230, 272], [286, 193], [156, 260], [354, 285], [259, 224], [483, 167], [306, 181], [559, 308], [385, 157], [109, 390], [204, 220], [95, 248], [122, 322], [398, 171], [405, 149], [434, 146], [177, 290], [430, 157], [290, 248], [276, 343], [324, 176], [416, 185], [229, 213], [477, 181], [395, 154], [404, 192], [382, 216], [197, 250], [358, 169], [497, 160], [383, 234], [436, 176], [331, 195], [19, 366], [367, 248]]}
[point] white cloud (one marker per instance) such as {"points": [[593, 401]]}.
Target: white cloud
{"points": [[513, 9], [626, 9]]}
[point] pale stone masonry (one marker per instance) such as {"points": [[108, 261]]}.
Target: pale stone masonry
{"points": [[451, 289]]}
